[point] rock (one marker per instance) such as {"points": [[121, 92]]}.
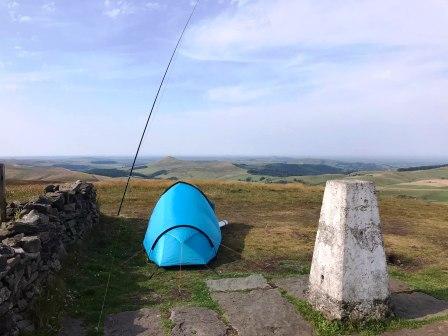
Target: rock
{"points": [[56, 265], [296, 286], [143, 322], [42, 208], [22, 304], [30, 244], [7, 325], [3, 263], [193, 321], [44, 237], [56, 200], [70, 207], [31, 224], [72, 327], [75, 187], [261, 312], [32, 256], [348, 278], [34, 217], [51, 188], [6, 250], [25, 326], [5, 308], [71, 225], [11, 262], [19, 251], [5, 293], [62, 252], [13, 241], [253, 281], [417, 305]]}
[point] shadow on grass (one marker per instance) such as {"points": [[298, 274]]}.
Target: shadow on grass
{"points": [[232, 246]]}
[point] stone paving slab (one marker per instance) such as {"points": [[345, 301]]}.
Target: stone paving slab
{"points": [[72, 327], [417, 305], [254, 281], [262, 312], [296, 286], [194, 321], [143, 322], [436, 329]]}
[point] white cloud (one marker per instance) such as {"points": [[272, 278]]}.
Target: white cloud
{"points": [[113, 9], [24, 18], [152, 5], [325, 23], [49, 7], [12, 7], [116, 8]]}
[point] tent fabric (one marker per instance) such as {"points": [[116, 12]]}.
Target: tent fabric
{"points": [[183, 228]]}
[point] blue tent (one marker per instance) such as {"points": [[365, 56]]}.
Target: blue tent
{"points": [[183, 228]]}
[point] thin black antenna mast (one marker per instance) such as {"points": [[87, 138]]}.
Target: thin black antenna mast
{"points": [[154, 104]]}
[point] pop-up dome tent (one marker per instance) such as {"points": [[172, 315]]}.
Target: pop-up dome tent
{"points": [[183, 228]]}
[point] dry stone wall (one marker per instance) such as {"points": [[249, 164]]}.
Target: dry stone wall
{"points": [[33, 243]]}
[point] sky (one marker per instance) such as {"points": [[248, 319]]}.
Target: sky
{"points": [[359, 78]]}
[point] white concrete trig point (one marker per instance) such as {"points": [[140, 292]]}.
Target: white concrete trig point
{"points": [[348, 278]]}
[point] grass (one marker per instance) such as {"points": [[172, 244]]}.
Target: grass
{"points": [[272, 232]]}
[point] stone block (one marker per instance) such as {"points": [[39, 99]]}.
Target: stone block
{"points": [[30, 244], [348, 278], [39, 207], [296, 286], [51, 188], [195, 321], [417, 305], [13, 241], [5, 293], [143, 322], [253, 281], [57, 200], [261, 312], [70, 207]]}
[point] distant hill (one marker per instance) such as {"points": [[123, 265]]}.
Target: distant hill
{"points": [[102, 162], [421, 168], [288, 169], [170, 167], [16, 173], [112, 172]]}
